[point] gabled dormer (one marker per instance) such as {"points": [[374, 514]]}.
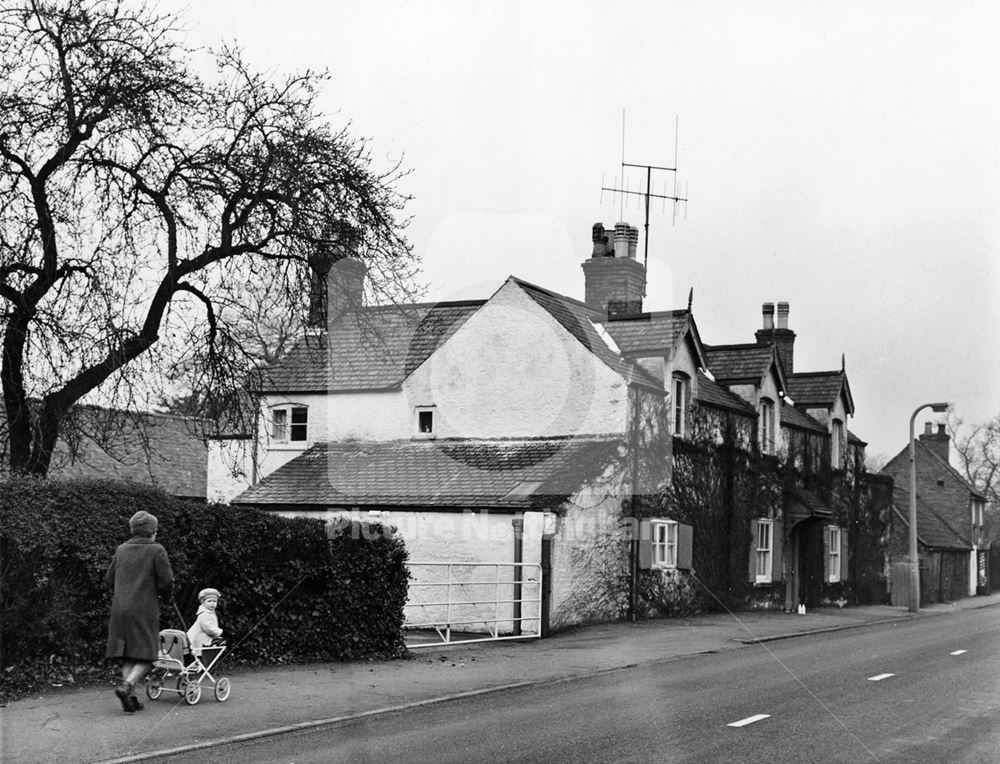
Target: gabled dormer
{"points": [[824, 396], [666, 343], [756, 374]]}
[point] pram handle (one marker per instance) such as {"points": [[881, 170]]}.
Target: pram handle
{"points": [[179, 616]]}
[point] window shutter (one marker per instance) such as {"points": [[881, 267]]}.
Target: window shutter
{"points": [[843, 554], [645, 545], [754, 530], [777, 537], [684, 546], [826, 554]]}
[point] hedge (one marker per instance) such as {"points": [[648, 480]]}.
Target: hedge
{"points": [[291, 590]]}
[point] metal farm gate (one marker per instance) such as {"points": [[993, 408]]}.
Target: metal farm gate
{"points": [[451, 603]]}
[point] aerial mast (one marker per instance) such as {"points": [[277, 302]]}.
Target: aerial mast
{"points": [[648, 194]]}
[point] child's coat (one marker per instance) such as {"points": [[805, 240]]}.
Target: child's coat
{"points": [[203, 630]]}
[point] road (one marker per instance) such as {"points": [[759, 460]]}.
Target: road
{"points": [[926, 690]]}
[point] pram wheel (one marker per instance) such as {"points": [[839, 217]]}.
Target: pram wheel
{"points": [[192, 693], [222, 689], [154, 688]]}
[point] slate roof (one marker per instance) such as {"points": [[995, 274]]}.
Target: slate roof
{"points": [[793, 417], [580, 320], [155, 449], [933, 530], [375, 348], [648, 331], [457, 474], [732, 364], [808, 504], [818, 389], [713, 394]]}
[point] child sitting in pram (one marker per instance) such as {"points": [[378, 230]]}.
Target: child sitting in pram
{"points": [[205, 630]]}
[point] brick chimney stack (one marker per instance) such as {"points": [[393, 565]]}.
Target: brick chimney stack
{"points": [[938, 442], [337, 278], [614, 280], [780, 335]]}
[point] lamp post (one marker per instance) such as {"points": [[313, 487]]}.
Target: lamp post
{"points": [[914, 559]]}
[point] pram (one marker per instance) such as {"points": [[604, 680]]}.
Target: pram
{"points": [[177, 659]]}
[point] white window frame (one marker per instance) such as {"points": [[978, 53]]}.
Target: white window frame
{"points": [[764, 536], [767, 409], [417, 431], [681, 392], [833, 562], [288, 425], [664, 543]]}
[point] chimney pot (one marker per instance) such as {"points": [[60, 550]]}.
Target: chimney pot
{"points": [[621, 239], [768, 310], [782, 315], [928, 428], [633, 241], [941, 430], [600, 238]]}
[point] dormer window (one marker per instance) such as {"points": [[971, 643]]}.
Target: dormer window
{"points": [[766, 412], [290, 424], [681, 391], [425, 422]]}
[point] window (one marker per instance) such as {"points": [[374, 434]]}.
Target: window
{"points": [[765, 550], [665, 544], [832, 553], [425, 422], [837, 445], [767, 425], [681, 395], [290, 423], [977, 513]]}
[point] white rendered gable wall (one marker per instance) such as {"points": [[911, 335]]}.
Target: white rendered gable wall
{"points": [[513, 371]]}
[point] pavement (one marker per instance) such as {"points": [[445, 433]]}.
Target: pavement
{"points": [[88, 725]]}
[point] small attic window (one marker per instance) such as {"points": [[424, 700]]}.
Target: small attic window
{"points": [[940, 484], [425, 422]]}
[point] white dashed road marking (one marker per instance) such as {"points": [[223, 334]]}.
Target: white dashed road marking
{"points": [[749, 720], [879, 677], [958, 652]]}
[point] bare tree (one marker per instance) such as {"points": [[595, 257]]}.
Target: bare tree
{"points": [[139, 203], [977, 447]]}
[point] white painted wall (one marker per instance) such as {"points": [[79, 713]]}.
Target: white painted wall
{"points": [[513, 371], [587, 557], [230, 468]]}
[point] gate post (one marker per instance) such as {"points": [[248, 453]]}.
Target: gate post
{"points": [[518, 523], [543, 628]]}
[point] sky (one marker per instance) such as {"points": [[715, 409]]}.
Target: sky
{"points": [[842, 157]]}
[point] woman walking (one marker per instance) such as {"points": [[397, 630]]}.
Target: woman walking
{"points": [[138, 572]]}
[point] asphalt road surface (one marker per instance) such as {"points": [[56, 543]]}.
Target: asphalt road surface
{"points": [[919, 691]]}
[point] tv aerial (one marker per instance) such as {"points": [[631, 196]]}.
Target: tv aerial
{"points": [[678, 197]]}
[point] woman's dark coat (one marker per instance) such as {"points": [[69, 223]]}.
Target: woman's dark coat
{"points": [[138, 571]]}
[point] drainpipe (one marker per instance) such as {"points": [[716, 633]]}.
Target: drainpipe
{"points": [[254, 448], [633, 598], [518, 523]]}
